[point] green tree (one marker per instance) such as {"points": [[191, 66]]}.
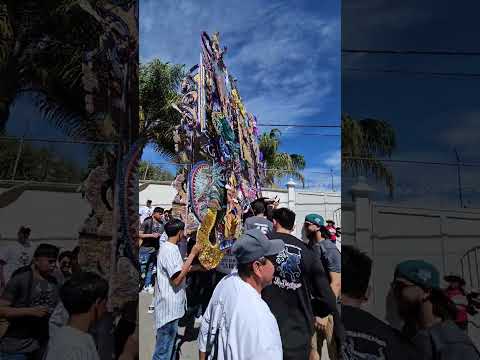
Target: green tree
{"points": [[279, 164], [41, 51], [159, 90], [364, 143], [148, 171], [36, 163]]}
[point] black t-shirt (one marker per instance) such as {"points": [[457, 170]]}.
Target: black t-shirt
{"points": [[298, 276], [150, 226], [370, 338]]}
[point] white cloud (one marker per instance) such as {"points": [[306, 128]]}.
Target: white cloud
{"points": [[281, 54], [464, 132], [334, 159]]}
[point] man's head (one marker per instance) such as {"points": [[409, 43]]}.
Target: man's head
{"points": [[356, 271], [167, 215], [416, 288], [158, 213], [255, 255], [312, 225], [45, 259], [454, 281], [65, 261], [23, 233], [330, 223], [283, 220], [85, 293], [258, 208], [175, 229], [149, 203]]}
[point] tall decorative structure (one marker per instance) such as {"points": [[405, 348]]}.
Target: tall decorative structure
{"points": [[217, 140]]}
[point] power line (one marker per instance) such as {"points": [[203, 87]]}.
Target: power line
{"points": [[307, 134], [411, 52], [418, 162], [13, 138], [410, 72], [306, 169], [301, 125]]}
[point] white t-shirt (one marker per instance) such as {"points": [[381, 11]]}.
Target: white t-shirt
{"points": [[163, 237], [338, 244], [16, 256], [144, 212], [71, 344], [58, 319], [170, 301], [242, 321]]}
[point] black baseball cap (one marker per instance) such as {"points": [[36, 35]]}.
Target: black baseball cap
{"points": [[253, 245]]}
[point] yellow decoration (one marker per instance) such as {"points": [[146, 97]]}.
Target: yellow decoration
{"points": [[210, 255], [237, 102]]}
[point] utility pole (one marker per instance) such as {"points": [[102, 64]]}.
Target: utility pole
{"points": [[331, 174], [459, 177]]}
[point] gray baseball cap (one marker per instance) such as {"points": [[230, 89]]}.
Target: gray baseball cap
{"points": [[253, 245]]}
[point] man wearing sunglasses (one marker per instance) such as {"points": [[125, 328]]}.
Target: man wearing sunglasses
{"points": [[238, 324], [428, 313]]}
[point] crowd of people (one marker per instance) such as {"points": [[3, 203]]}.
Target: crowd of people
{"points": [[274, 295], [431, 327], [50, 309]]}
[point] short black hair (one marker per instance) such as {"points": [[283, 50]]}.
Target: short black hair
{"points": [[24, 230], [158, 209], [285, 217], [46, 250], [82, 290], [173, 227], [356, 272], [149, 201], [75, 252], [258, 207], [64, 254]]}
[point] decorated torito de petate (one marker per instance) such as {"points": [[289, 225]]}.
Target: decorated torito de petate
{"points": [[217, 142]]}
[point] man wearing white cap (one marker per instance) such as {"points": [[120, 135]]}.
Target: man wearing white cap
{"points": [[237, 323]]}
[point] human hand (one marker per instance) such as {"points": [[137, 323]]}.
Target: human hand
{"points": [[38, 311], [156, 235], [321, 323]]}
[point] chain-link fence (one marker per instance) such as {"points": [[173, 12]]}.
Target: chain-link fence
{"points": [[439, 184], [48, 160]]}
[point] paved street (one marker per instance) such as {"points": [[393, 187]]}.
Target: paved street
{"points": [[189, 350]]}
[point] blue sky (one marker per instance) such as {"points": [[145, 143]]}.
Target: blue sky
{"points": [[431, 115], [285, 55]]}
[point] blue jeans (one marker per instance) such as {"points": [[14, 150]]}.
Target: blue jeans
{"points": [[13, 356], [146, 257], [165, 341]]}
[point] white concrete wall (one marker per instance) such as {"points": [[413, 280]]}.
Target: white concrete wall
{"points": [[392, 234], [326, 204], [50, 215]]}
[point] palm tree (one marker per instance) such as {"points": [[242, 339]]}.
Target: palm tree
{"points": [[159, 84], [363, 143], [279, 164], [41, 50]]}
